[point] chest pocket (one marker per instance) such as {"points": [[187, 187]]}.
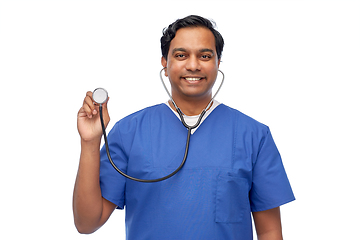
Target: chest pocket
{"points": [[232, 199]]}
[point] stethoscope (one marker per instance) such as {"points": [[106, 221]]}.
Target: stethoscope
{"points": [[100, 96]]}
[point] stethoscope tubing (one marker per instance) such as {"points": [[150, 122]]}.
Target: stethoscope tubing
{"points": [[189, 128], [149, 180]]}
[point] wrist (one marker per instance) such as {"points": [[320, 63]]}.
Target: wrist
{"points": [[93, 144]]}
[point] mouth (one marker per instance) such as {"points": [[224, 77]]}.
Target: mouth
{"points": [[192, 79]]}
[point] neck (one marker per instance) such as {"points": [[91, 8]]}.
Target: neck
{"points": [[191, 108]]}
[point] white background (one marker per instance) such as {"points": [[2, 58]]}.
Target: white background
{"points": [[293, 65]]}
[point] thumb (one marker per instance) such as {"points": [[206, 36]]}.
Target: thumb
{"points": [[105, 112]]}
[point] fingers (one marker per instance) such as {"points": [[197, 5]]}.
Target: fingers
{"points": [[88, 105], [91, 108]]}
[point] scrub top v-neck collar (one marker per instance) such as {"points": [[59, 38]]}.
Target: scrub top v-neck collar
{"points": [[191, 120]]}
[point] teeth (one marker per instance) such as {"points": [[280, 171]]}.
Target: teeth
{"points": [[192, 79]]}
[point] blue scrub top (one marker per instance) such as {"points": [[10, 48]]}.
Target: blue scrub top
{"points": [[233, 168]]}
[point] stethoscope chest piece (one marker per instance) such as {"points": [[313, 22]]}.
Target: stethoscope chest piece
{"points": [[100, 95]]}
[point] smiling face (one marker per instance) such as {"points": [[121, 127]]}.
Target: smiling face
{"points": [[192, 65]]}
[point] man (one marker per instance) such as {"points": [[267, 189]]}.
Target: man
{"points": [[233, 166]]}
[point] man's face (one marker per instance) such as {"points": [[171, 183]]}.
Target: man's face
{"points": [[192, 64]]}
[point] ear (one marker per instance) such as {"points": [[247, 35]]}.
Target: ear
{"points": [[164, 64], [219, 60]]}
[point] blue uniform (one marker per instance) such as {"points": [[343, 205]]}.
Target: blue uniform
{"points": [[233, 168]]}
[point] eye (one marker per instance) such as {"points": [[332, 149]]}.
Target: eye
{"points": [[180, 56], [206, 57]]}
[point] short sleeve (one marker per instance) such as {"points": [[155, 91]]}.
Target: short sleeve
{"points": [[270, 185], [112, 184]]}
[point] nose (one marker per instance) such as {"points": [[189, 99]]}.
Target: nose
{"points": [[193, 64]]}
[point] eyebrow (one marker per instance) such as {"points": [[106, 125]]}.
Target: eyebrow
{"points": [[178, 50], [207, 50], [201, 50]]}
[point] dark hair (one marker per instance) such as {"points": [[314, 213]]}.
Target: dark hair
{"points": [[190, 21]]}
